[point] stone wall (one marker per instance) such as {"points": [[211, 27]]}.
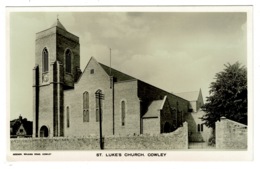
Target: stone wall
{"points": [[230, 134], [55, 143], [167, 141], [151, 125], [175, 140]]}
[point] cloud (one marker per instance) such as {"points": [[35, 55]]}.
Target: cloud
{"points": [[174, 51]]}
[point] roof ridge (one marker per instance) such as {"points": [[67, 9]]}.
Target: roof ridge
{"points": [[118, 74], [106, 68], [188, 92]]}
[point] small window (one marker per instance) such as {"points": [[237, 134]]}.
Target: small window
{"points": [[21, 130], [198, 127], [68, 117], [201, 127], [123, 112], [92, 71]]}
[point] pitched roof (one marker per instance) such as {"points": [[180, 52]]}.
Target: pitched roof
{"points": [[154, 107], [190, 96], [16, 124], [117, 74], [58, 24]]}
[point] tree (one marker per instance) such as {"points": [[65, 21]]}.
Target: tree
{"points": [[228, 96]]}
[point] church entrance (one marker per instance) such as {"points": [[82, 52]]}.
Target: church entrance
{"points": [[167, 127], [44, 132]]}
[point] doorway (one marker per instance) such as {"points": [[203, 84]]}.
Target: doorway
{"points": [[44, 132], [167, 128]]}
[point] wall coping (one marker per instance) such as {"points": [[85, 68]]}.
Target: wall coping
{"points": [[226, 119], [111, 136]]}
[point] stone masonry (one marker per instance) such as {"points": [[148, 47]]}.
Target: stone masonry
{"points": [[230, 134], [168, 141]]}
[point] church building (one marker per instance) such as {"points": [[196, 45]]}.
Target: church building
{"points": [[68, 102]]}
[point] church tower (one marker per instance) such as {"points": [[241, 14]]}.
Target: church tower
{"points": [[57, 68]]}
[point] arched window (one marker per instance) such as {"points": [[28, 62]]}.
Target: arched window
{"points": [[99, 96], [68, 60], [123, 112], [85, 115], [68, 117], [198, 127], [45, 60], [85, 107]]}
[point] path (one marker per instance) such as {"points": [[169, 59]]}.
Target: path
{"points": [[200, 145]]}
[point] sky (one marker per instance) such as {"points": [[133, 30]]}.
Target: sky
{"points": [[175, 51]]}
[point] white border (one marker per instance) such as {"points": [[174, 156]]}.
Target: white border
{"points": [[180, 155], [203, 164]]}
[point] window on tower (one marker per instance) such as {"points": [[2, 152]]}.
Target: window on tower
{"points": [[45, 60], [68, 60]]}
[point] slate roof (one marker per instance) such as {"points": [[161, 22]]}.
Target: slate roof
{"points": [[58, 24], [117, 74], [153, 109], [124, 77], [190, 96]]}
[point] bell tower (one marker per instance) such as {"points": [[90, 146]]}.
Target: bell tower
{"points": [[57, 68]]}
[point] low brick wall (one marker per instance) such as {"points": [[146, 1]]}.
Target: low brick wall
{"points": [[230, 134], [175, 140]]}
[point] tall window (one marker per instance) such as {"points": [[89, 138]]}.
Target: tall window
{"points": [[68, 60], [201, 127], [68, 117], [98, 104], [85, 107], [45, 60], [123, 112]]}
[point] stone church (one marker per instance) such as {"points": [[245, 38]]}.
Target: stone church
{"points": [[68, 102]]}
